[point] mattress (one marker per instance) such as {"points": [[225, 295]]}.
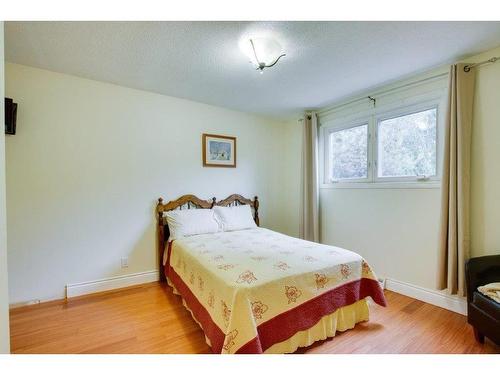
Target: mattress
{"points": [[251, 290]]}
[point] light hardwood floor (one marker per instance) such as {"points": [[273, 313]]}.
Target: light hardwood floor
{"points": [[151, 319]]}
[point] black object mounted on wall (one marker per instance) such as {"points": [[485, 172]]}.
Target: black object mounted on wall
{"points": [[10, 116]]}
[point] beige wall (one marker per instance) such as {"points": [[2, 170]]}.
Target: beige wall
{"points": [[292, 166], [395, 230], [485, 189], [88, 162], [4, 297]]}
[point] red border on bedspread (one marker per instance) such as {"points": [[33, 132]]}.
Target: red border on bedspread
{"points": [[285, 325]]}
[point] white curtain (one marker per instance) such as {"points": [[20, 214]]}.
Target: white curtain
{"points": [[454, 247], [309, 224]]}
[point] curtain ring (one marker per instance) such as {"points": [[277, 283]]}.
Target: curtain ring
{"points": [[467, 68]]}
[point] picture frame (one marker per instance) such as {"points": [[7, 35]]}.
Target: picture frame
{"points": [[218, 151]]}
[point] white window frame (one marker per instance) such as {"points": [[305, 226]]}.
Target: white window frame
{"points": [[372, 118], [400, 113], [326, 146]]}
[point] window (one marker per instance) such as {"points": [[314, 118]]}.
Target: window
{"points": [[396, 146], [407, 145], [349, 153]]}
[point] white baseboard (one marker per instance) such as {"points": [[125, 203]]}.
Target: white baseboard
{"points": [[26, 303], [434, 297], [110, 283]]}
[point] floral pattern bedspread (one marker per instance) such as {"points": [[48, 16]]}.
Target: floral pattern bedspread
{"points": [[252, 288]]}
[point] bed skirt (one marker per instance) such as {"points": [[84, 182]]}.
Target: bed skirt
{"points": [[340, 320]]}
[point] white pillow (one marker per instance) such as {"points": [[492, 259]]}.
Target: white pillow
{"points": [[182, 223], [235, 218]]}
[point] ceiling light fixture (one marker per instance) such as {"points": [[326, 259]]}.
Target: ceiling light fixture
{"points": [[262, 52]]}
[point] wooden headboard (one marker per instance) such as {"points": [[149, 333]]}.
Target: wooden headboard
{"points": [[193, 202]]}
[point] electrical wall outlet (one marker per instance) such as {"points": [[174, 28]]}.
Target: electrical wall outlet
{"points": [[124, 262]]}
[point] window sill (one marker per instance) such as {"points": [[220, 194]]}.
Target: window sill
{"points": [[383, 185]]}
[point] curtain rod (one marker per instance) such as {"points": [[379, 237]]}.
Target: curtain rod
{"points": [[374, 93], [381, 92], [467, 68]]}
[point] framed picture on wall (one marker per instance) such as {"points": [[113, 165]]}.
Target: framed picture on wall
{"points": [[219, 151]]}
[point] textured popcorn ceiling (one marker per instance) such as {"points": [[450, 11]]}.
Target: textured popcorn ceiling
{"points": [[201, 61]]}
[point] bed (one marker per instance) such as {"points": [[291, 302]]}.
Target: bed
{"points": [[259, 291]]}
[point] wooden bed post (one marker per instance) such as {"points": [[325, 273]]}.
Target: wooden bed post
{"points": [[256, 210], [161, 238], [189, 201]]}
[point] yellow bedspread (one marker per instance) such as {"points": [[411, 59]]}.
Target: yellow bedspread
{"points": [[252, 289]]}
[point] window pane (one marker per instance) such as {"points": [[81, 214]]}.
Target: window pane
{"points": [[407, 145], [348, 153]]}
